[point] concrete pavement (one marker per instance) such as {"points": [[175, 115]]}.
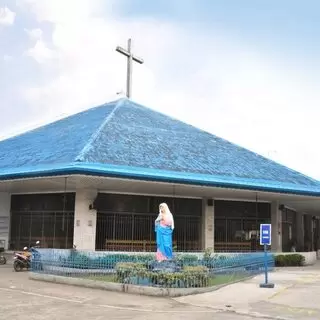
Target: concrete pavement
{"points": [[47, 301], [296, 296]]}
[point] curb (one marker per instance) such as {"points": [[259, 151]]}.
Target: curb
{"points": [[125, 288]]}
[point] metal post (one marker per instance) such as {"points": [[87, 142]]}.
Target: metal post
{"points": [[266, 284], [265, 264]]}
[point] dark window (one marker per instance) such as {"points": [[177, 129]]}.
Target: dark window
{"points": [[239, 209], [147, 204], [155, 202], [237, 224], [45, 217], [188, 207], [43, 202], [122, 203]]}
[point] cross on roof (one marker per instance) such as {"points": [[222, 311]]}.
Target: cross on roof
{"points": [[130, 57]]}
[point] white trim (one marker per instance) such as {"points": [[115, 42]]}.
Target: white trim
{"points": [[242, 200], [36, 178], [206, 189], [150, 194]]}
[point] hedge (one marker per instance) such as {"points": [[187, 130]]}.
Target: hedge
{"points": [[81, 260], [189, 277], [289, 260], [109, 261]]}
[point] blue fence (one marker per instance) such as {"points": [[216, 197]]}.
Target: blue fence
{"points": [[185, 270]]}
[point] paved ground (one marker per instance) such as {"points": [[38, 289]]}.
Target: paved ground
{"points": [[296, 296], [47, 301]]}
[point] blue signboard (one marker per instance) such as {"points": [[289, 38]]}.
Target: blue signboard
{"points": [[265, 234]]}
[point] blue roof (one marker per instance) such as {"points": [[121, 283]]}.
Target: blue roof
{"points": [[125, 139]]}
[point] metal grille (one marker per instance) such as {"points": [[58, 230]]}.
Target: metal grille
{"points": [[135, 232], [53, 228], [237, 234]]}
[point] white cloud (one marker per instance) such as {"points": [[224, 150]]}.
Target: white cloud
{"points": [[41, 53], [7, 16], [209, 80], [34, 33]]}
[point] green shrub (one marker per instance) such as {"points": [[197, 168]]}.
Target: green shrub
{"points": [[129, 269], [289, 260], [86, 261], [189, 277], [187, 259], [78, 259], [195, 269]]}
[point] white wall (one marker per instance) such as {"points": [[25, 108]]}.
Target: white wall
{"points": [[85, 220], [5, 204]]}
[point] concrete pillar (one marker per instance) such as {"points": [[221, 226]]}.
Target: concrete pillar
{"points": [[85, 220], [5, 206], [308, 232], [276, 225], [208, 224], [299, 237]]}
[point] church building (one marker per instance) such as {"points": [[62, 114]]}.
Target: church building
{"points": [[95, 179]]}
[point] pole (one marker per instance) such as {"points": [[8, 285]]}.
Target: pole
{"points": [[265, 265], [266, 284], [129, 70]]}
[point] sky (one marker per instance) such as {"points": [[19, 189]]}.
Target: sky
{"points": [[247, 71]]}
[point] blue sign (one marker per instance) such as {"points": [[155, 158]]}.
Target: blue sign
{"points": [[265, 234]]}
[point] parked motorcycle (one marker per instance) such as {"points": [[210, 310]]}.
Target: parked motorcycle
{"points": [[3, 260], [30, 257]]}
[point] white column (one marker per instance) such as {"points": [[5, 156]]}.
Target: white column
{"points": [[308, 240], [276, 223], [208, 224], [85, 220], [5, 206], [300, 231]]}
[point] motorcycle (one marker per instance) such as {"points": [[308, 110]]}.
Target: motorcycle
{"points": [[3, 260], [29, 258]]}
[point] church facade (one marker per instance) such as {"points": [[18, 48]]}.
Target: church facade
{"points": [[96, 179]]}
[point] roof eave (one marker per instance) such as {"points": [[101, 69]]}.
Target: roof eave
{"points": [[156, 176]]}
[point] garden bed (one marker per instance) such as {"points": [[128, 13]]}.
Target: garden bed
{"points": [[215, 280]]}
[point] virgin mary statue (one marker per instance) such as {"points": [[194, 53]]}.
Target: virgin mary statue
{"points": [[164, 226]]}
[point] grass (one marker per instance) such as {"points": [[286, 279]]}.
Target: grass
{"points": [[213, 281], [106, 277], [225, 279]]}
